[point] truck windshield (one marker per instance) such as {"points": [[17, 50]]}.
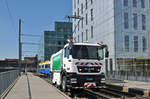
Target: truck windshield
{"points": [[87, 52]]}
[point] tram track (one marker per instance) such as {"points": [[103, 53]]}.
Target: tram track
{"points": [[106, 93]]}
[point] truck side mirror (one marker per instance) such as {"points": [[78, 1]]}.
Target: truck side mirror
{"points": [[107, 54]]}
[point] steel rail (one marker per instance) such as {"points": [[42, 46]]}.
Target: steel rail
{"points": [[106, 93]]}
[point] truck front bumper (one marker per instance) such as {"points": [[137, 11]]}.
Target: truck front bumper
{"points": [[78, 81]]}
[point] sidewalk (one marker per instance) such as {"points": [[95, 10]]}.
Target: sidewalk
{"points": [[33, 87]]}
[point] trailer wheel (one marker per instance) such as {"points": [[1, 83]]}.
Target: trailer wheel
{"points": [[64, 87]]}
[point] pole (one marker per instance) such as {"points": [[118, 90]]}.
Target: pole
{"points": [[20, 46]]}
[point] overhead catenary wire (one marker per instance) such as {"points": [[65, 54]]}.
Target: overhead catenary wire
{"points": [[30, 35], [10, 15]]}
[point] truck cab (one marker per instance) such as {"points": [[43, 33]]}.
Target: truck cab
{"points": [[82, 65]]}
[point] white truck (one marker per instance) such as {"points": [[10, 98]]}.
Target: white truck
{"points": [[79, 65]]}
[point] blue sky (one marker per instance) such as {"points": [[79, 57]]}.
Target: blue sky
{"points": [[37, 16]]}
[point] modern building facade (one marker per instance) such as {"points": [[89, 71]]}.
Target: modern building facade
{"points": [[121, 24], [53, 41]]}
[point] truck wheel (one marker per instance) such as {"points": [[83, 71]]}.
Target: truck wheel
{"points": [[64, 87]]}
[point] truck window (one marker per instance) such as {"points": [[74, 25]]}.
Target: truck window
{"points": [[67, 52], [100, 53], [87, 52]]}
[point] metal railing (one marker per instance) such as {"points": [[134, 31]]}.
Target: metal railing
{"points": [[128, 75], [6, 79], [134, 69]]}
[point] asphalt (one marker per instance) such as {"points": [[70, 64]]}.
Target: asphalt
{"points": [[33, 87]]}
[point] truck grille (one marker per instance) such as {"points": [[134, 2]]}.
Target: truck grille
{"points": [[87, 69]]}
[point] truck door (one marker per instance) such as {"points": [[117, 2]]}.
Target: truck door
{"points": [[67, 59]]}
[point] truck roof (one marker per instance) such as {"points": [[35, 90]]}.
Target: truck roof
{"points": [[88, 44]]}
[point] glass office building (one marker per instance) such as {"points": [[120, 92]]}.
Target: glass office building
{"points": [[53, 41]]}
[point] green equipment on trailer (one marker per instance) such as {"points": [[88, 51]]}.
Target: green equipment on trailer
{"points": [[57, 62]]}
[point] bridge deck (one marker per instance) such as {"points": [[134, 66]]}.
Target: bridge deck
{"points": [[33, 87]]}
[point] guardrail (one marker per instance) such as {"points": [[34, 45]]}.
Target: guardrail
{"points": [[7, 79]]}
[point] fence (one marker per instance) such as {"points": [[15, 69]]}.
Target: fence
{"points": [[139, 65], [130, 69], [6, 79], [127, 75]]}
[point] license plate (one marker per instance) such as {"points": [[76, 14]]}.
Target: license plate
{"points": [[89, 79]]}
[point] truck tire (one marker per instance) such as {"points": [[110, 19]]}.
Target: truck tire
{"points": [[64, 85]]}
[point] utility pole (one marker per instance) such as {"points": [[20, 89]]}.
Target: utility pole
{"points": [[20, 45], [75, 17]]}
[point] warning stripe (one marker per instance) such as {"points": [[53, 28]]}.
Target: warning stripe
{"points": [[96, 63], [87, 63], [88, 87], [82, 63], [76, 63]]}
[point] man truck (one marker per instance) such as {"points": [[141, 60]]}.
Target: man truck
{"points": [[79, 65]]}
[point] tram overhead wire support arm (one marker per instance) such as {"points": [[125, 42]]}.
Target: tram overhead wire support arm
{"points": [[74, 17]]}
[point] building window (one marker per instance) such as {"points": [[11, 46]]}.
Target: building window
{"points": [[82, 23], [149, 3], [134, 3], [82, 8], [59, 42], [126, 20], [135, 43], [111, 64], [86, 4], [75, 28], [75, 15], [78, 25], [78, 12], [74, 4], [135, 21], [143, 22], [86, 19], [74, 39], [142, 3], [91, 31], [91, 14], [144, 43], [125, 2], [126, 43], [91, 1], [82, 36], [86, 35]]}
